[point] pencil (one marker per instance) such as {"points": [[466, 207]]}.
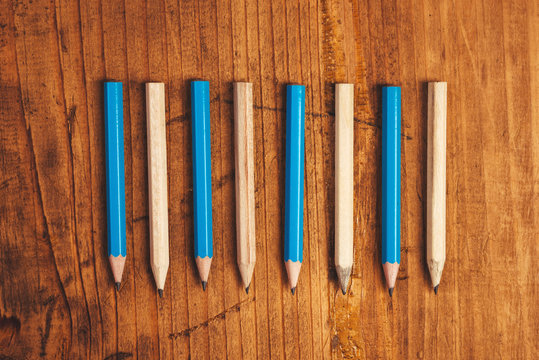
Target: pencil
{"points": [[200, 109], [295, 148], [391, 174], [436, 180], [245, 181], [157, 182], [114, 158], [344, 182]]}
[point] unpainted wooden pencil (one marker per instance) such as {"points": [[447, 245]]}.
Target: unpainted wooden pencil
{"points": [[245, 181], [157, 182], [344, 182], [436, 180]]}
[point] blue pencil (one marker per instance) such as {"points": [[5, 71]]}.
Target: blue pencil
{"points": [[295, 149], [391, 177], [114, 149], [200, 109]]}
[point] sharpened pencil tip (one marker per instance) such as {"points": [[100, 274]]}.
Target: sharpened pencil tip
{"points": [[391, 292], [293, 290], [247, 289], [343, 291], [118, 286], [204, 284], [436, 290], [160, 291]]}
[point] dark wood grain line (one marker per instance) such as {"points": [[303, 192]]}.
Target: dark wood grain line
{"points": [[38, 207], [91, 177], [70, 119]]}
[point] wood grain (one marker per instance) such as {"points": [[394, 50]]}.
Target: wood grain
{"points": [[55, 295]]}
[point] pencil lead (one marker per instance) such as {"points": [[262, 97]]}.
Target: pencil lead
{"points": [[204, 283], [160, 291], [391, 292], [436, 289], [293, 290], [118, 286], [247, 289], [343, 291]]}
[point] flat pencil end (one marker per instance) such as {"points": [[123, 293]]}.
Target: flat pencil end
{"points": [[436, 289], [247, 289], [204, 284], [293, 290], [118, 286], [391, 292], [160, 291]]}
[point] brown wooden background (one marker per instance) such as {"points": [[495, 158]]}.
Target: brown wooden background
{"points": [[56, 291]]}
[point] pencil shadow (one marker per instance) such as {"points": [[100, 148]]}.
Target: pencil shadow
{"points": [[280, 117], [329, 172], [377, 109], [100, 84], [423, 121], [189, 238]]}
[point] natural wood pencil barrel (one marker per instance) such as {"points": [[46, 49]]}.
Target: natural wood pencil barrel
{"points": [[245, 180], [344, 182], [436, 180], [157, 182]]}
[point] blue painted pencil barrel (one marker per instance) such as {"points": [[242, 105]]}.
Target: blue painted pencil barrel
{"points": [[200, 110], [114, 150], [295, 149], [391, 174]]}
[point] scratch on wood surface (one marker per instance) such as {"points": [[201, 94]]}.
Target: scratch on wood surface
{"points": [[50, 303], [220, 316], [71, 117]]}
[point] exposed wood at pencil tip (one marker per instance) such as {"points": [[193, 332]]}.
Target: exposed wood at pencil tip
{"points": [[117, 265], [203, 266], [293, 269], [391, 271], [343, 275]]}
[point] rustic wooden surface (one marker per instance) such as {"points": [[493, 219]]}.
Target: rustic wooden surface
{"points": [[57, 298]]}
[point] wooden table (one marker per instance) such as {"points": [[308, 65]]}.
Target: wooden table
{"points": [[57, 298]]}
